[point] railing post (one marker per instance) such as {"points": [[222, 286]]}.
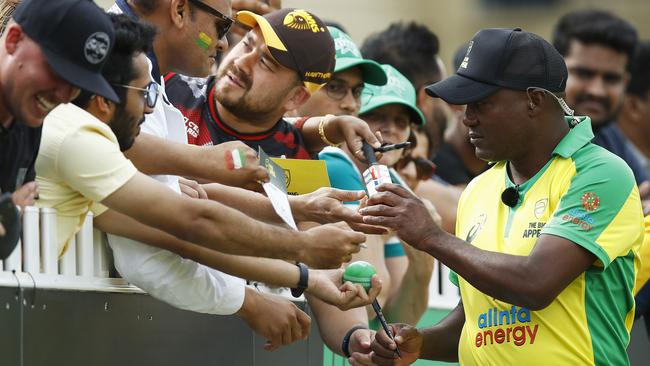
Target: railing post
{"points": [[100, 254], [49, 246], [68, 263], [31, 240], [85, 261]]}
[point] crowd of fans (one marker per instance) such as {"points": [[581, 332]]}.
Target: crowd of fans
{"points": [[527, 173]]}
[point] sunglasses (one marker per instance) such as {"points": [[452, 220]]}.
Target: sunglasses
{"points": [[425, 168], [223, 22], [150, 92]]}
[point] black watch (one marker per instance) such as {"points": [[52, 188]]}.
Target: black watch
{"points": [[345, 345], [303, 281]]}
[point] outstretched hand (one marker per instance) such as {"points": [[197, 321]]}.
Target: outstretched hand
{"points": [[407, 338], [327, 285], [330, 245], [354, 131], [396, 208], [325, 205], [235, 164]]}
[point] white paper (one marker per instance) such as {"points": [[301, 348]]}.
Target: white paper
{"points": [[280, 203]]}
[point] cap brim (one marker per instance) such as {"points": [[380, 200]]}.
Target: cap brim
{"points": [[251, 19], [372, 72], [378, 101], [79, 76], [458, 89]]}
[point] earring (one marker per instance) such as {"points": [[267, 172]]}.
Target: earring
{"points": [[531, 105]]}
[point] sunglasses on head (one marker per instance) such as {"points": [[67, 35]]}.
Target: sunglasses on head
{"points": [[223, 23], [425, 168], [150, 92]]}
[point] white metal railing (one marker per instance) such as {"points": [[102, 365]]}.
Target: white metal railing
{"points": [[87, 263], [34, 262]]}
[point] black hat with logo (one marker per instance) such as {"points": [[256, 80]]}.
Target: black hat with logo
{"points": [[502, 58], [299, 40], [76, 37]]}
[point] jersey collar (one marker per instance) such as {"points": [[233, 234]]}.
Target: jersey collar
{"points": [[578, 136]]}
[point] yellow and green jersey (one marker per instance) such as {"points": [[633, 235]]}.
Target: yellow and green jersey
{"points": [[588, 196]]}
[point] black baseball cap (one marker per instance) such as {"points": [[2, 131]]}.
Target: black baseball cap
{"points": [[502, 58], [76, 37], [299, 40]]}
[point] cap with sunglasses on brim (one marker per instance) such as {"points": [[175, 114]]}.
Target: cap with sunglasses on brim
{"points": [[397, 90], [76, 37], [298, 40], [502, 58], [348, 56]]}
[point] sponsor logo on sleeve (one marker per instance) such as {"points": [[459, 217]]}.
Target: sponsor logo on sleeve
{"points": [[590, 201]]}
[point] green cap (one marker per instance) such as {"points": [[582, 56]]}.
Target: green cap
{"points": [[348, 55], [398, 90], [360, 272]]}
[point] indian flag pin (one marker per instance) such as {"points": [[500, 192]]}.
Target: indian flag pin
{"points": [[204, 41]]}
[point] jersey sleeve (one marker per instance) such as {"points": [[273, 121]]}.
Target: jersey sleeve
{"points": [[93, 164], [601, 210]]}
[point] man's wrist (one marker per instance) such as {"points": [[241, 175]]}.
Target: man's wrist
{"points": [[332, 130], [297, 205], [429, 240], [303, 280], [345, 344], [250, 298]]}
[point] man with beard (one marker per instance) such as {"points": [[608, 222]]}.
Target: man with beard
{"points": [[287, 56], [81, 168], [597, 47], [34, 79]]}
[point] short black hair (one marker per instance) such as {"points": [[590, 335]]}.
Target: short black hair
{"points": [[639, 70], [131, 37], [595, 26], [411, 48]]}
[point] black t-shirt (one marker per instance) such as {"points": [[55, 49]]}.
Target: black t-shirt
{"points": [[450, 167], [194, 97], [18, 151]]}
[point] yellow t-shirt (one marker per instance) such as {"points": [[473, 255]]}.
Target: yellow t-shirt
{"points": [[588, 196], [79, 164]]}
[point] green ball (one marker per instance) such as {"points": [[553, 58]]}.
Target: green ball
{"points": [[360, 272]]}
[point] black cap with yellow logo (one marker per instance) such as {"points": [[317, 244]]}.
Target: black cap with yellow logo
{"points": [[299, 40]]}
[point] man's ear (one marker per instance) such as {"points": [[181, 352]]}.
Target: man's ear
{"points": [[103, 106], [536, 98], [297, 97], [178, 12], [13, 35]]}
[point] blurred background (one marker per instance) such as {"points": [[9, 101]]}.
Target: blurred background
{"points": [[456, 21]]}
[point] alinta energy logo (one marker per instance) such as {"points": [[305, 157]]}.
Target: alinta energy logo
{"points": [[302, 20], [505, 326]]}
